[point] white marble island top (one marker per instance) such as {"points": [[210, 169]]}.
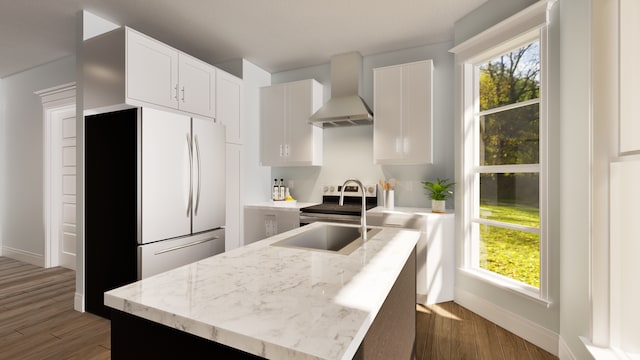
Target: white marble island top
{"points": [[276, 302]]}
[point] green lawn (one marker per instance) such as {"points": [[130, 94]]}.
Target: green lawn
{"points": [[512, 253]]}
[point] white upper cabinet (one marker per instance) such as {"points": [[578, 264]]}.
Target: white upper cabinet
{"points": [[403, 110], [286, 137], [124, 67], [229, 91], [196, 86], [152, 71]]}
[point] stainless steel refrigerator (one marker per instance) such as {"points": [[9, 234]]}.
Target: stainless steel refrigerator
{"points": [[154, 196]]}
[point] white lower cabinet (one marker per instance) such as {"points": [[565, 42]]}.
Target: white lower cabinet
{"points": [[435, 252], [261, 222]]}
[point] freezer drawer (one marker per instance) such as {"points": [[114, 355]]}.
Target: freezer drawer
{"points": [[165, 255]]}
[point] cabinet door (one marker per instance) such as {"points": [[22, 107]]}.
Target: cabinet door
{"points": [[151, 71], [287, 220], [417, 112], [233, 220], [197, 86], [229, 105], [208, 175], [166, 180], [387, 128], [298, 131], [272, 125]]}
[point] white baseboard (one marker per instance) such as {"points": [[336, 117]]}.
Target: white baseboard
{"points": [[78, 302], [525, 328], [24, 256], [564, 352]]}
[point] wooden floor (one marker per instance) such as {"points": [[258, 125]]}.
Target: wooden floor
{"points": [[37, 321], [449, 331]]}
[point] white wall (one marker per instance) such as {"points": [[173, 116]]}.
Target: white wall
{"points": [[348, 152], [22, 156]]}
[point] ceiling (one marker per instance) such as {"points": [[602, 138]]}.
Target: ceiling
{"points": [[276, 35]]}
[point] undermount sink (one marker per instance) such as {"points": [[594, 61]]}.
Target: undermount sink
{"points": [[329, 237]]}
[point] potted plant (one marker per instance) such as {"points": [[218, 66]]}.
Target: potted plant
{"points": [[439, 192]]}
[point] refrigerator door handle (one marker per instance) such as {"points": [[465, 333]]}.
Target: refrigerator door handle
{"points": [[198, 242], [199, 176], [189, 203]]}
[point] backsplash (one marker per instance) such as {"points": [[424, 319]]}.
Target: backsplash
{"points": [[348, 153]]}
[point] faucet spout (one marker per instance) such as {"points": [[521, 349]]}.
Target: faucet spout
{"points": [[363, 214]]}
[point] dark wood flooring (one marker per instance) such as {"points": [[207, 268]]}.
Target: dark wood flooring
{"points": [[37, 321]]}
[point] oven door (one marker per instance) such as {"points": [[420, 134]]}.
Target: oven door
{"points": [[308, 218]]}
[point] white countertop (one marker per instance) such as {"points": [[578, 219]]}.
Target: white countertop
{"points": [[407, 210], [280, 205], [276, 302]]}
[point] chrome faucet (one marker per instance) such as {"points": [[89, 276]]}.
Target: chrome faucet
{"points": [[363, 216]]}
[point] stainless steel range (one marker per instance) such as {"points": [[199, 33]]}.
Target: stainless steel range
{"points": [[330, 209]]}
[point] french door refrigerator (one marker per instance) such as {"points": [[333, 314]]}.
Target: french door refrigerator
{"points": [[154, 196]]}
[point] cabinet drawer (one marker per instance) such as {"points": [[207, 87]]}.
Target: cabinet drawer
{"points": [[165, 255]]}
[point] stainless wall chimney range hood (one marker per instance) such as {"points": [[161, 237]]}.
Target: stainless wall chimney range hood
{"points": [[346, 107]]}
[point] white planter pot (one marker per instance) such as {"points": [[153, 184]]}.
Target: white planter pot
{"points": [[438, 206]]}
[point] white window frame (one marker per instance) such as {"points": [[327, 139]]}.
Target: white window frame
{"points": [[520, 29]]}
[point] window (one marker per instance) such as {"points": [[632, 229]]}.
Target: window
{"points": [[506, 208], [502, 164]]}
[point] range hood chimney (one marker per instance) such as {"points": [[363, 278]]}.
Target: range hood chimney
{"points": [[346, 107]]}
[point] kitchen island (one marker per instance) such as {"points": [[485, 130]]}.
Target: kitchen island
{"points": [[264, 301]]}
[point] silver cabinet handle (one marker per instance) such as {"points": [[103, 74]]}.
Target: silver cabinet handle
{"points": [[198, 242], [183, 94], [190, 176], [176, 89], [199, 175]]}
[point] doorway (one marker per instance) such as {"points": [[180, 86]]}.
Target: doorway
{"points": [[59, 116]]}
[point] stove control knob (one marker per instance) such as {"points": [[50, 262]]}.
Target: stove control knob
{"points": [[370, 189], [332, 189], [325, 189]]}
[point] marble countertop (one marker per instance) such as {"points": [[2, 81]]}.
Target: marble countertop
{"points": [[276, 302]]}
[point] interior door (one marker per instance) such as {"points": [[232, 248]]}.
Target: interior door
{"points": [[208, 148], [166, 175], [67, 226]]}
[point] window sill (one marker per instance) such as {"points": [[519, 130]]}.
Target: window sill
{"points": [[525, 291], [602, 353]]}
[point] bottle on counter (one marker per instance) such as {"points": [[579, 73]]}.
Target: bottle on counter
{"points": [[282, 195], [275, 192]]}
